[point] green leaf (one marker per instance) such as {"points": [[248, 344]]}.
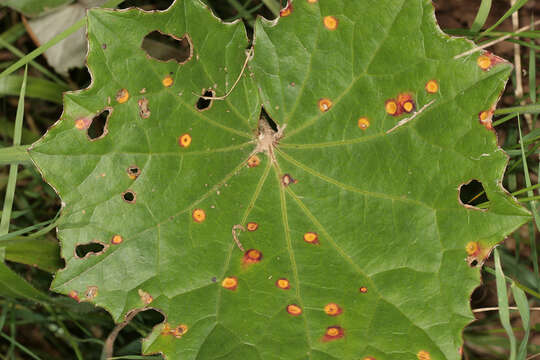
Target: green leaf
{"points": [[37, 88], [356, 212], [44, 254]]}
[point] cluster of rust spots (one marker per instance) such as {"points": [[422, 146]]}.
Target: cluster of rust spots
{"points": [[333, 333], [122, 96], [472, 248], [167, 81], [487, 60], [144, 111], [432, 86], [325, 104], [91, 292], [230, 283], [133, 172], [198, 215], [363, 289], [252, 226], [485, 117], [287, 180], [330, 22], [423, 355], [253, 161], [363, 123], [117, 239], [287, 10], [74, 295], [311, 238], [332, 309], [283, 284], [252, 256], [146, 298], [294, 310], [403, 104], [177, 332], [184, 140], [129, 196]]}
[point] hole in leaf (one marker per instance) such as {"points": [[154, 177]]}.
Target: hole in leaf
{"points": [[204, 104], [98, 127], [472, 194], [129, 196], [265, 116], [166, 47], [150, 317], [92, 248]]}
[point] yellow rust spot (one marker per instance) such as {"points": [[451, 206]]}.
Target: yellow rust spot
{"points": [[484, 62], [408, 106], [391, 107], [122, 96], [184, 140], [294, 310], [167, 81], [332, 309], [363, 290], [252, 256], [333, 333], [117, 239], [179, 331], [287, 10], [330, 22], [283, 284], [363, 123], [74, 295], [432, 86], [485, 118], [312, 1], [369, 358], [472, 248], [198, 215], [252, 226], [230, 283], [146, 298], [325, 104], [253, 161], [83, 123], [311, 238], [423, 355]]}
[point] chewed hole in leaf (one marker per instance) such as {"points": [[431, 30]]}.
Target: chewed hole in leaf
{"points": [[93, 248], [129, 196], [166, 47], [133, 172], [205, 104], [98, 127], [264, 115], [472, 194]]}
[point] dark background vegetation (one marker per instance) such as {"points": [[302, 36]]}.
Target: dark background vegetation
{"points": [[68, 330]]}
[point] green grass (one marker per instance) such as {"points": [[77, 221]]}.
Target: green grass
{"points": [[37, 324]]}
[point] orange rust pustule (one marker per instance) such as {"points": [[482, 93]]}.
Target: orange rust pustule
{"points": [[146, 298], [167, 81], [117, 239], [252, 226], [330, 22], [122, 96], [332, 309], [311, 238], [253, 161], [333, 333], [485, 118], [406, 103], [184, 140], [230, 283], [472, 248], [363, 123], [74, 295], [325, 104], [287, 10], [487, 61], [294, 310], [363, 289], [392, 108], [83, 123], [198, 215], [179, 331], [283, 284], [287, 180], [312, 1], [423, 355], [369, 358], [252, 256], [432, 86]]}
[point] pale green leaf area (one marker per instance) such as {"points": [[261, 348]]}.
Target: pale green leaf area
{"points": [[362, 225]]}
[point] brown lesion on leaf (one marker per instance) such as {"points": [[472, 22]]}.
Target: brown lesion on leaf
{"points": [[129, 196], [83, 251], [133, 172], [122, 96], [268, 135], [144, 110], [252, 256], [486, 118], [333, 333], [165, 47], [91, 292], [287, 10], [287, 180], [146, 298]]}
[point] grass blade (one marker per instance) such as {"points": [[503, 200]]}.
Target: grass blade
{"points": [[502, 299], [524, 312], [509, 13], [14, 155], [36, 88], [531, 109], [481, 16]]}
